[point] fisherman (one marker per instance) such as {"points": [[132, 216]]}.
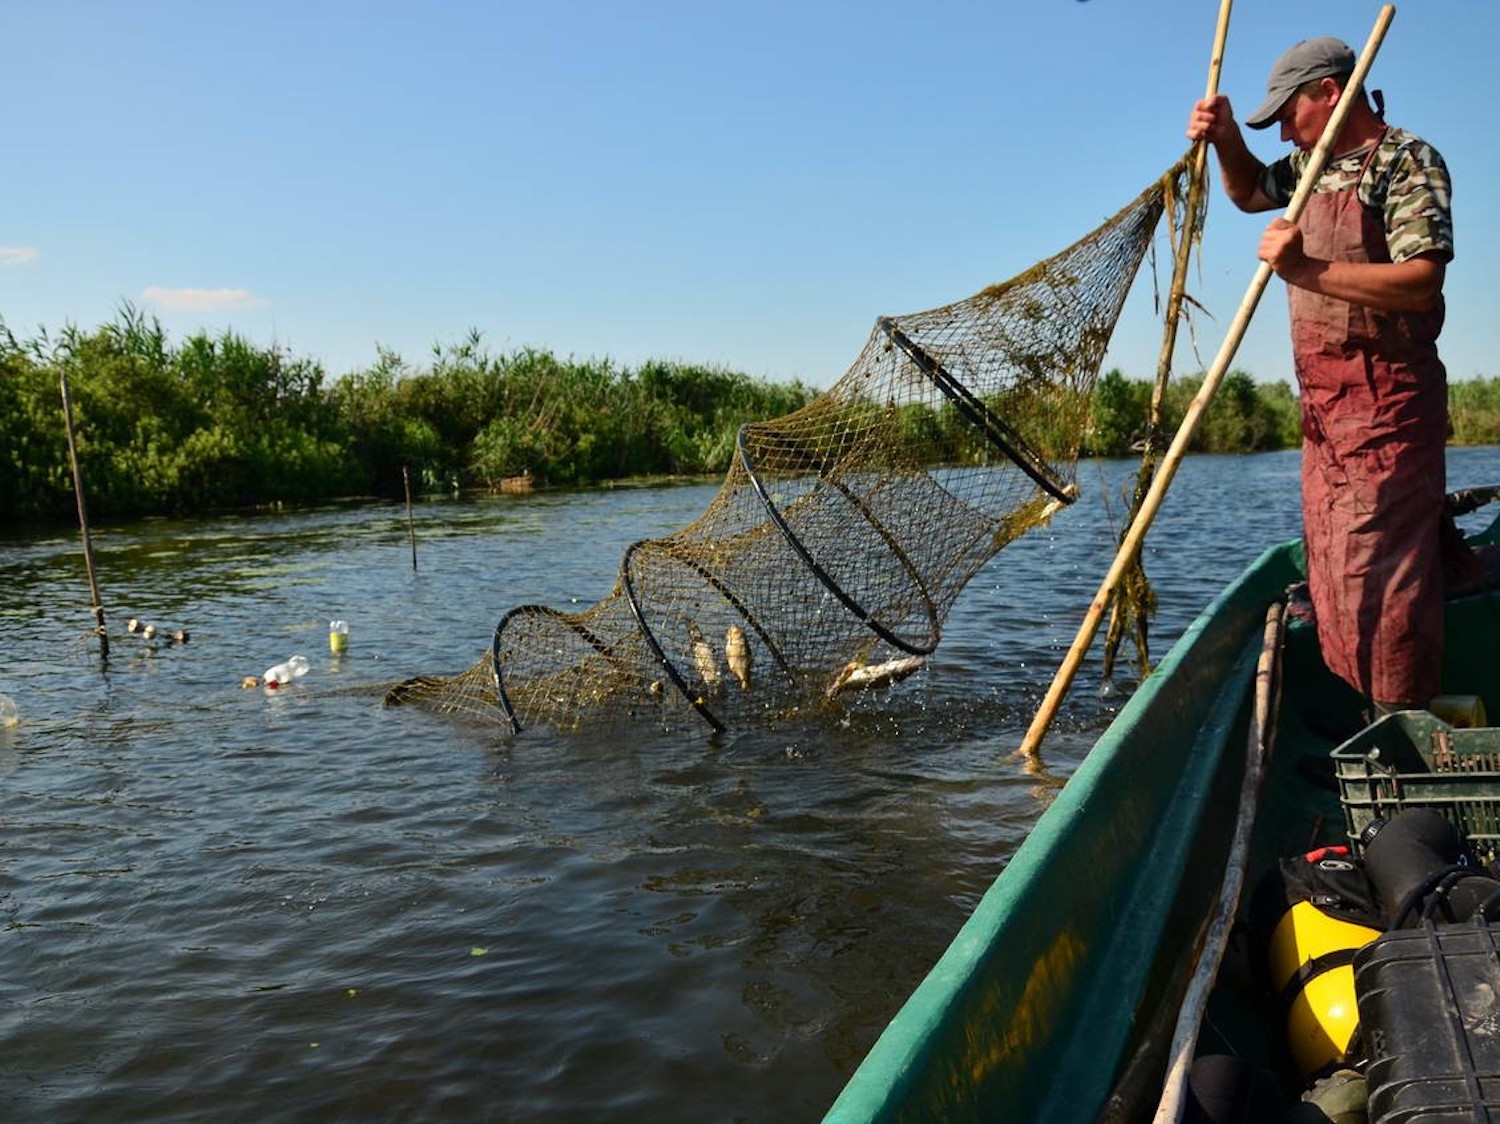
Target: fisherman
{"points": [[1364, 269]]}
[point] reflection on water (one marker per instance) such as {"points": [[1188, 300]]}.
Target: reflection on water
{"points": [[300, 905]]}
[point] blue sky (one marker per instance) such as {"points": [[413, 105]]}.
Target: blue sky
{"points": [[746, 184]]}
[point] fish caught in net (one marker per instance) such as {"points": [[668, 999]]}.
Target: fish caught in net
{"points": [[843, 532]]}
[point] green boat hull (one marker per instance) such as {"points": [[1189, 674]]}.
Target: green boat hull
{"points": [[1059, 978]]}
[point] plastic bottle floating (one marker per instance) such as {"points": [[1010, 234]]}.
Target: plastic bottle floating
{"points": [[284, 673], [338, 637], [9, 716]]}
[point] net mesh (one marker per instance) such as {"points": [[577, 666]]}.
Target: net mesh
{"points": [[843, 532]]}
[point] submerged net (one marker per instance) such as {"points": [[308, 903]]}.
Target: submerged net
{"points": [[845, 531]]}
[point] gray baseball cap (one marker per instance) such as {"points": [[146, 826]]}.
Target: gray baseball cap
{"points": [[1309, 59]]}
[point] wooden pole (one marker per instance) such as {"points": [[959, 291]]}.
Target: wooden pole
{"points": [[1258, 747], [1196, 189], [411, 527], [1197, 184], [83, 520], [1031, 744]]}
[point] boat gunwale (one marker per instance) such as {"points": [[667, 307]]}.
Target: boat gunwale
{"points": [[896, 1078]]}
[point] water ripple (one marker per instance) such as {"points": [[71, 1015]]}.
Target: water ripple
{"points": [[228, 904]]}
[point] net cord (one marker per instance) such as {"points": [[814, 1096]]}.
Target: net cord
{"points": [[725, 592], [862, 614], [695, 700], [1007, 440], [495, 662]]}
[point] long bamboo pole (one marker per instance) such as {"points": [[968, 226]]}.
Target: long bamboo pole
{"points": [[1197, 187], [1031, 744], [83, 520]]}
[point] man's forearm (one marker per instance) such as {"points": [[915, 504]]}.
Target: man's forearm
{"points": [[1409, 286], [1240, 170]]}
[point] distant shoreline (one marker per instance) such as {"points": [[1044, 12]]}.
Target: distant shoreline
{"points": [[211, 424]]}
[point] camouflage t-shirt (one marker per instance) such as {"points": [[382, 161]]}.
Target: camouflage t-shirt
{"points": [[1407, 183]]}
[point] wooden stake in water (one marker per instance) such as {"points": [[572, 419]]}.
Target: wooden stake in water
{"points": [[83, 521], [411, 527]]}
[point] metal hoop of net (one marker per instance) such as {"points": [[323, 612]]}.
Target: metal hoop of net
{"points": [[843, 532]]}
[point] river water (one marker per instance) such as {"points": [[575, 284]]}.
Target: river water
{"points": [[224, 904]]}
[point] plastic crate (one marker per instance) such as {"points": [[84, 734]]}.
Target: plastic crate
{"points": [[1413, 760], [1428, 1014]]}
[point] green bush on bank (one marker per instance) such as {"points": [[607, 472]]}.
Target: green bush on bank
{"points": [[1244, 416], [1474, 412], [216, 422]]}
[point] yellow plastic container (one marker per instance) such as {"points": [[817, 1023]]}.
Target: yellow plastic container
{"points": [[338, 637], [1321, 1017], [1462, 712]]}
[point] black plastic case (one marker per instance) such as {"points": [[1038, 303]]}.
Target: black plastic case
{"points": [[1429, 1009]]}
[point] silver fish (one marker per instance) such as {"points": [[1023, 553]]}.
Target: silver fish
{"points": [[737, 653], [857, 676], [706, 662]]}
